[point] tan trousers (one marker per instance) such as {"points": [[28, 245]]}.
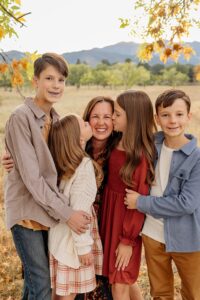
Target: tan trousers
{"points": [[160, 272]]}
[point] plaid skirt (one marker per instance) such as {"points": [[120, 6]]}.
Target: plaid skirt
{"points": [[66, 280]]}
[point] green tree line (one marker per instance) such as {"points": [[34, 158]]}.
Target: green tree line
{"points": [[125, 75]]}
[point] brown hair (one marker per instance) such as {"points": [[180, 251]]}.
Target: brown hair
{"points": [[168, 97], [138, 138], [53, 59], [112, 139], [65, 147]]}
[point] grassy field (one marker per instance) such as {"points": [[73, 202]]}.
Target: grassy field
{"points": [[74, 100]]}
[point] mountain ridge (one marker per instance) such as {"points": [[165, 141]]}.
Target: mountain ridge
{"points": [[118, 52]]}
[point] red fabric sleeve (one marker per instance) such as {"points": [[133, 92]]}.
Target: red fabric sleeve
{"points": [[133, 220]]}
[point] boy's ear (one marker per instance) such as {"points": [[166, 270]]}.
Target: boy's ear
{"points": [[35, 79], [189, 115], [157, 119]]}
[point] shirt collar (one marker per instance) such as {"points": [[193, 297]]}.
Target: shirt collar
{"points": [[38, 112], [187, 148]]}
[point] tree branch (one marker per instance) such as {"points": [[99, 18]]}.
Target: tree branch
{"points": [[11, 15]]}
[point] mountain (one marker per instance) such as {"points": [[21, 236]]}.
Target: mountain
{"points": [[114, 53]]}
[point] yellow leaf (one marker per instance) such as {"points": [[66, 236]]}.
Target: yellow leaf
{"points": [[17, 79], [1, 32], [187, 52], [158, 46], [175, 55], [3, 68], [18, 2], [198, 76], [145, 52], [24, 63], [22, 19]]}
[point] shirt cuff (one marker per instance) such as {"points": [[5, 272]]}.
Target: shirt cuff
{"points": [[143, 204], [127, 241]]}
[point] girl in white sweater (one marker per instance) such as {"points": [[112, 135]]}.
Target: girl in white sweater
{"points": [[74, 259]]}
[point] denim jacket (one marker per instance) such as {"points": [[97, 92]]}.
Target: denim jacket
{"points": [[180, 204]]}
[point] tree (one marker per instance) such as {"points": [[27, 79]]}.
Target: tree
{"points": [[10, 17], [168, 22], [173, 77], [76, 73]]}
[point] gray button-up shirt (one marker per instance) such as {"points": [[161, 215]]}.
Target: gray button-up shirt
{"points": [[31, 191]]}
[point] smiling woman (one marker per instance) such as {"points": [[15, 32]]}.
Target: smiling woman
{"points": [[99, 113]]}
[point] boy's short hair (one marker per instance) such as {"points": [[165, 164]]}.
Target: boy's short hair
{"points": [[52, 59], [168, 97]]}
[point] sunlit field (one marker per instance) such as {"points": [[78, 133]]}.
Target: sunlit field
{"points": [[74, 100]]}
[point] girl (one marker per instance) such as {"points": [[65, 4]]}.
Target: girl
{"points": [[74, 259], [130, 165]]}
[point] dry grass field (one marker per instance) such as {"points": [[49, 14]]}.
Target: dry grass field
{"points": [[74, 100]]}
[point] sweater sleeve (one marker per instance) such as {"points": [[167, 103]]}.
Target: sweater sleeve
{"points": [[82, 196], [134, 219]]}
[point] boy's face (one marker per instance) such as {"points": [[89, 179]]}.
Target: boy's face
{"points": [[49, 85], [173, 119]]}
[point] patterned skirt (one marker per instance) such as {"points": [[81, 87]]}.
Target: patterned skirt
{"points": [[66, 280]]}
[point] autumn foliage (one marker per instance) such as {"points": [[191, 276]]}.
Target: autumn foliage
{"points": [[162, 25]]}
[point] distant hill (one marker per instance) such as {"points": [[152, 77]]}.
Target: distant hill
{"points": [[114, 53]]}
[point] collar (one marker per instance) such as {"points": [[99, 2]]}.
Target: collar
{"points": [[187, 148], [38, 112]]}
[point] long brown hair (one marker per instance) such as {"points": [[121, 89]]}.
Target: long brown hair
{"points": [[65, 146], [138, 139]]}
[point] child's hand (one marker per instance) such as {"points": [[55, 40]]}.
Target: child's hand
{"points": [[131, 199], [123, 253], [7, 162], [86, 259], [79, 221]]}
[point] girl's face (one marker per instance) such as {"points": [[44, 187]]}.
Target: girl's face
{"points": [[85, 129], [101, 121], [49, 85], [119, 118]]}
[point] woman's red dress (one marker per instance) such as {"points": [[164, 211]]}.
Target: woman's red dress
{"points": [[119, 224]]}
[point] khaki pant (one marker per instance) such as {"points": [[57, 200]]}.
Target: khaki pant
{"points": [[160, 272]]}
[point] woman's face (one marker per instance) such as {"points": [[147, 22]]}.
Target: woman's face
{"points": [[101, 121]]}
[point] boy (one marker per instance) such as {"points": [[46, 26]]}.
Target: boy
{"points": [[32, 200], [172, 226]]}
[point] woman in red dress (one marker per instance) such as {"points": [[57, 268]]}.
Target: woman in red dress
{"points": [[130, 166]]}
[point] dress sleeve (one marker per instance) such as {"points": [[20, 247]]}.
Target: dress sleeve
{"points": [[133, 220], [82, 196]]}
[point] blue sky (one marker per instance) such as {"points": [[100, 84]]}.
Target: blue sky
{"points": [[72, 25]]}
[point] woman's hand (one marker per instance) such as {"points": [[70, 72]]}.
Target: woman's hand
{"points": [[130, 199], [7, 162], [123, 253], [86, 259]]}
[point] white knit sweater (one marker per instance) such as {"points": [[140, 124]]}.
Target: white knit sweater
{"points": [[64, 244]]}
